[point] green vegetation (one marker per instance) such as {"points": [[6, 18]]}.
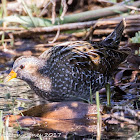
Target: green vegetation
{"points": [[91, 96], [99, 119], [27, 22], [29, 13], [136, 39], [108, 92], [137, 52], [1, 123]]}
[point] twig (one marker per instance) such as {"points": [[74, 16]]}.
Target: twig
{"points": [[107, 1], [96, 14], [65, 7], [70, 2], [134, 75], [121, 118], [44, 8], [91, 31], [11, 28], [12, 52], [80, 25], [121, 115], [42, 12], [133, 8], [53, 10], [55, 38], [126, 109]]}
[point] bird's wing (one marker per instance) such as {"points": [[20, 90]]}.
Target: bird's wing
{"points": [[86, 51], [96, 57], [79, 51]]}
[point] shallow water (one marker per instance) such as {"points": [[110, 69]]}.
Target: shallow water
{"points": [[16, 96]]}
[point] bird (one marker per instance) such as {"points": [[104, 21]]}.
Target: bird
{"points": [[71, 70]]}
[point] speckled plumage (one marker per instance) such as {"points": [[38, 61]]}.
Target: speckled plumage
{"points": [[69, 70]]}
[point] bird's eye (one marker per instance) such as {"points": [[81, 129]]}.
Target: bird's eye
{"points": [[22, 66]]}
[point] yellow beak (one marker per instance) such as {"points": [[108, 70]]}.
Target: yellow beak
{"points": [[10, 76]]}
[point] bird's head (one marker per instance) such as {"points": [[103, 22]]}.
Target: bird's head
{"points": [[25, 68]]}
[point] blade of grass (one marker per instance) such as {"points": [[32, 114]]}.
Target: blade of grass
{"points": [[98, 116], [1, 12], [136, 135], [6, 136], [1, 123], [2, 38], [4, 15], [91, 96], [40, 137], [108, 92], [26, 21], [4, 8], [98, 104], [29, 13]]}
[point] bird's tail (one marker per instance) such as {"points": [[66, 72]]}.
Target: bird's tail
{"points": [[113, 40]]}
